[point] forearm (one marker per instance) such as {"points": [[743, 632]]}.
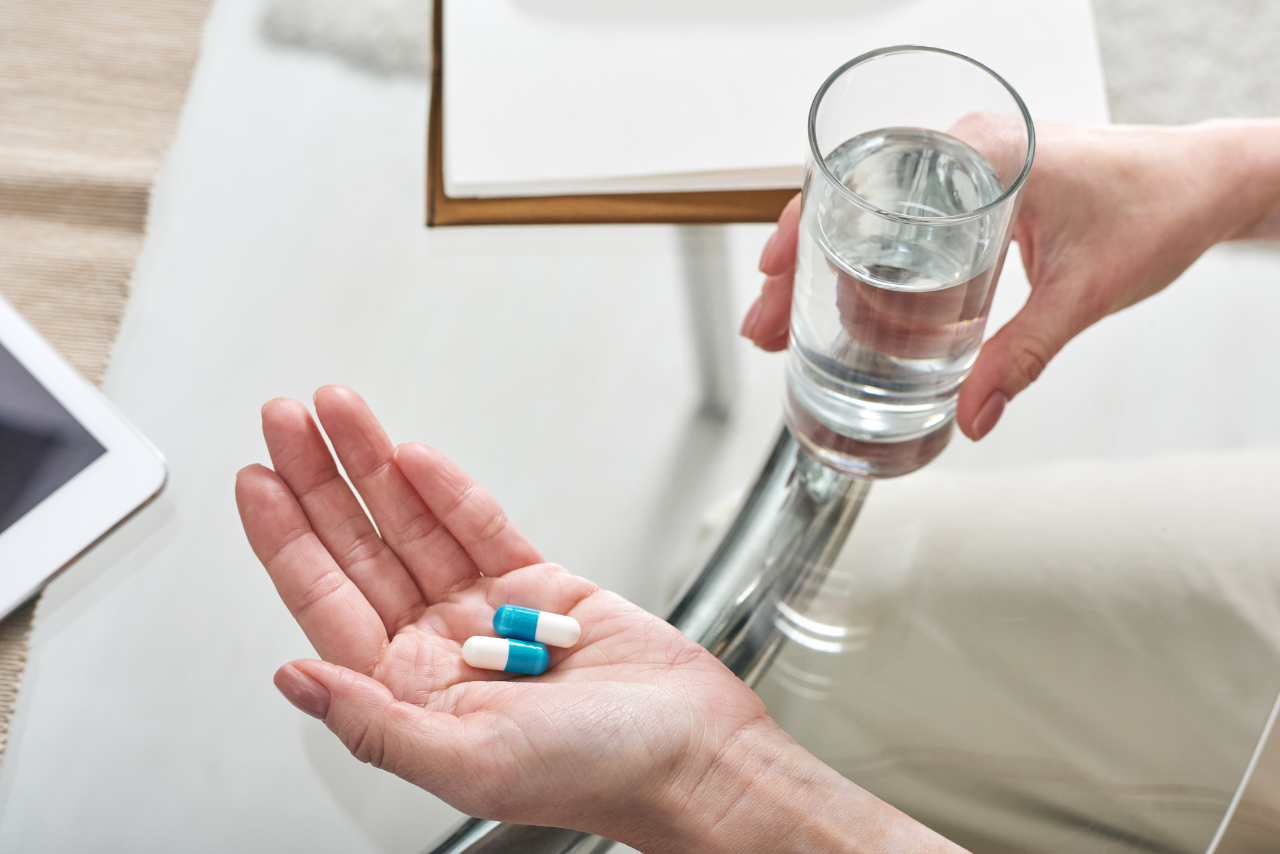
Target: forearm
{"points": [[1247, 157], [766, 794], [1267, 227]]}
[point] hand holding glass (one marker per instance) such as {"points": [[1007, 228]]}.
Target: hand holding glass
{"points": [[916, 163]]}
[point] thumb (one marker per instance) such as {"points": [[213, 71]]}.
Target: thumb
{"points": [[409, 741], [1014, 357]]}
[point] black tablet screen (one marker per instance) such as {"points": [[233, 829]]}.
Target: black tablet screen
{"points": [[41, 445]]}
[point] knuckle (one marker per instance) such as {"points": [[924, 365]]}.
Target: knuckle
{"points": [[295, 540], [492, 528], [324, 481], [375, 469], [459, 500], [364, 545], [319, 589], [1029, 360], [366, 744], [418, 530]]}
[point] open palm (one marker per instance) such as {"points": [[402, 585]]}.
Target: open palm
{"points": [[388, 608]]}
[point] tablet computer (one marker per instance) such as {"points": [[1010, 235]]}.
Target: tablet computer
{"points": [[71, 467]]}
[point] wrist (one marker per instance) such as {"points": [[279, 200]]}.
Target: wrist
{"points": [[763, 792], [1242, 159]]}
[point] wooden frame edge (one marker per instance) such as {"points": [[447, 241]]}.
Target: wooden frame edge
{"points": [[701, 207]]}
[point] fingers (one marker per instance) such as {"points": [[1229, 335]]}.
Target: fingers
{"points": [[767, 322], [471, 515], [542, 586], [1015, 356], [302, 460], [435, 559], [1000, 139], [336, 617], [773, 320], [779, 253]]}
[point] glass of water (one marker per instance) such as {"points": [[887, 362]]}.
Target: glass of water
{"points": [[917, 157]]}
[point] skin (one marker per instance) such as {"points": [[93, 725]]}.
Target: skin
{"points": [[1109, 217], [636, 733]]}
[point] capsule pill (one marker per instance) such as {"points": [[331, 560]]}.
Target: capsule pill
{"points": [[509, 656], [512, 621]]}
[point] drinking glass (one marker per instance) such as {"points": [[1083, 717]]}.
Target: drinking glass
{"points": [[917, 158]]}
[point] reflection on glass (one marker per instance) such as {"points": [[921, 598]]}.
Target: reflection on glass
{"points": [[41, 445], [1072, 658], [916, 162]]}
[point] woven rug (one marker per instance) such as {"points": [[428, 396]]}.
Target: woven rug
{"points": [[90, 92]]}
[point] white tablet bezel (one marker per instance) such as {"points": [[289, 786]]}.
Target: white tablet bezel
{"points": [[62, 526]]}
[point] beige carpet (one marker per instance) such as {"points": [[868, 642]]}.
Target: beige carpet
{"points": [[90, 92]]}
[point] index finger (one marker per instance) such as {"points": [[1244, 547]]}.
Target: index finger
{"points": [[779, 255], [334, 614]]}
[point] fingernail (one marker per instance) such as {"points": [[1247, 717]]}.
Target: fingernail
{"points": [[753, 316], [305, 693], [989, 414], [764, 253]]}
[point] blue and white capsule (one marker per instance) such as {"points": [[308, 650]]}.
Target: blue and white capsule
{"points": [[512, 621], [509, 656]]}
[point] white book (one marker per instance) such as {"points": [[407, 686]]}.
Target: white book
{"points": [[543, 97]]}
